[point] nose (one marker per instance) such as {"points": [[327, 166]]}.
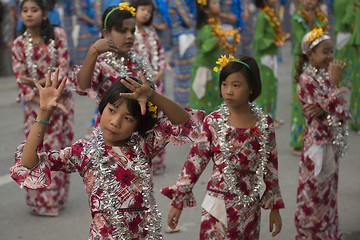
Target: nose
{"points": [[116, 121], [228, 91]]}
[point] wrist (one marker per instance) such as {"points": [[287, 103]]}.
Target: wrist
{"points": [[44, 115], [95, 50]]}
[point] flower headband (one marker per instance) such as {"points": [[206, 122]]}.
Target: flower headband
{"points": [[202, 2], [313, 38], [122, 6], [223, 61], [153, 109]]}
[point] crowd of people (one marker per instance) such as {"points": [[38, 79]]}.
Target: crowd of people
{"points": [[223, 56]]}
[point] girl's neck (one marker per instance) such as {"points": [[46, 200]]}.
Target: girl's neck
{"points": [[34, 32], [242, 117], [140, 27]]}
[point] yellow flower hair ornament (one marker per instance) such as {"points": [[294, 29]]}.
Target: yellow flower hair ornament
{"points": [[223, 61], [122, 6], [202, 2], [125, 6], [153, 109], [313, 38]]}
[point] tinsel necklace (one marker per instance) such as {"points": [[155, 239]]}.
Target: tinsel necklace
{"points": [[229, 169], [339, 128], [105, 181], [142, 65], [29, 53], [154, 53]]}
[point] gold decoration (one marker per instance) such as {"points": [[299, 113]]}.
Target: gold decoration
{"points": [[216, 31], [152, 109], [202, 2], [319, 14], [223, 61], [274, 20], [125, 6]]}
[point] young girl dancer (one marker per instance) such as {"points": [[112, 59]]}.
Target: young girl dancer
{"points": [[308, 17], [39, 48], [325, 134], [147, 44], [116, 164], [110, 57], [240, 139], [268, 37], [204, 92]]}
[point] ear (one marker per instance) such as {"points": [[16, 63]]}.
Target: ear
{"points": [[106, 33]]}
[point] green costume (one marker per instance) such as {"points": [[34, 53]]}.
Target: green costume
{"points": [[355, 78], [265, 50], [299, 28], [207, 54], [345, 13]]}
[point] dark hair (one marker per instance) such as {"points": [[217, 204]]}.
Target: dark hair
{"points": [[112, 96], [115, 19], [47, 30], [260, 3], [251, 75], [201, 16], [137, 3], [299, 66]]}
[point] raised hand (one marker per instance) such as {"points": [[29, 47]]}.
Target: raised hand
{"points": [[141, 92], [336, 69], [51, 92], [105, 45]]}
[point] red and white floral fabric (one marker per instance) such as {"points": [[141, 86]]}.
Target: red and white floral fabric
{"points": [[242, 222], [60, 131], [78, 158], [316, 216]]}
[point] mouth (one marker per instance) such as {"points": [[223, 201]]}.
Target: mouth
{"points": [[111, 132], [228, 100]]}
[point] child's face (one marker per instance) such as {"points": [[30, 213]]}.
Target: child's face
{"points": [[31, 14], [123, 38], [214, 8], [309, 4], [235, 90], [117, 124], [143, 14], [322, 55]]}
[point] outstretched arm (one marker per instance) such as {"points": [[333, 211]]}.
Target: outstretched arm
{"points": [[49, 95], [143, 93]]}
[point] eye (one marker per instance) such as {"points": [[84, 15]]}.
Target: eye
{"points": [[111, 109], [223, 84], [128, 118]]}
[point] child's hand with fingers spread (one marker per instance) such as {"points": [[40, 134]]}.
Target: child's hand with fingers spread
{"points": [[141, 92], [51, 92], [336, 69]]}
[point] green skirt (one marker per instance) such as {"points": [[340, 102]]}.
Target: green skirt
{"points": [[269, 85], [297, 118]]}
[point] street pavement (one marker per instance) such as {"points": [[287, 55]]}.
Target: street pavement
{"points": [[74, 221]]}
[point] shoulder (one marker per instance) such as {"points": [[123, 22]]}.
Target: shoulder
{"points": [[59, 32], [262, 15], [297, 18], [19, 41]]}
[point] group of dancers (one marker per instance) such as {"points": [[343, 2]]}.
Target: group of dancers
{"points": [[230, 114]]}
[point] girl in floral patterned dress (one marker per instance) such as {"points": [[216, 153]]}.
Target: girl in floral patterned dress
{"points": [[147, 44], [39, 48], [116, 164], [111, 57], [240, 140], [316, 216]]}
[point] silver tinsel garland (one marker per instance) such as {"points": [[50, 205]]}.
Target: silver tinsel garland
{"points": [[154, 62], [29, 53], [142, 65], [104, 181], [229, 169], [338, 127]]}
